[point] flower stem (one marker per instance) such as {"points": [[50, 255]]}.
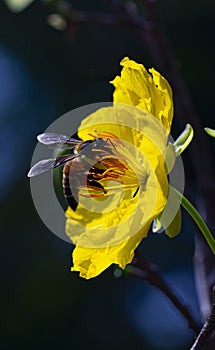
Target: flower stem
{"points": [[197, 218]]}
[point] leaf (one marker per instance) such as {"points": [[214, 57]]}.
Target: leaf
{"points": [[170, 157], [210, 131], [175, 227], [184, 139]]}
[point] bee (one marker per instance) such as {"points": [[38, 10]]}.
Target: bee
{"points": [[76, 168]]}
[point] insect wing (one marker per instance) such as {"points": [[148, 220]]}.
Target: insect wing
{"points": [[48, 164], [54, 140]]}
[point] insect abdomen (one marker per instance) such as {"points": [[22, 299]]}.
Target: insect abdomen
{"points": [[66, 180]]}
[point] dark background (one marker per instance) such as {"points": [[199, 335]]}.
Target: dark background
{"points": [[45, 73]]}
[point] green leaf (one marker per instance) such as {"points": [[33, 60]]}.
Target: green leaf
{"points": [[184, 139], [175, 227], [170, 157], [170, 218], [17, 5], [210, 131]]}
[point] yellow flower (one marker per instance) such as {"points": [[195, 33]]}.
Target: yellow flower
{"points": [[126, 184]]}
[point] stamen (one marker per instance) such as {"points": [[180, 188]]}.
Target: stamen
{"points": [[93, 195], [113, 163], [115, 169]]}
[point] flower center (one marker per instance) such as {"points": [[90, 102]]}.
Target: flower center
{"points": [[113, 167]]}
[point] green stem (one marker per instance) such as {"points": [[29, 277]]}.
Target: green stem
{"points": [[197, 218]]}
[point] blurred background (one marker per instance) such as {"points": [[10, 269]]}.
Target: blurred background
{"points": [[45, 73]]}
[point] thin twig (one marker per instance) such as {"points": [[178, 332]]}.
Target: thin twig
{"points": [[150, 273], [206, 338], [94, 18]]}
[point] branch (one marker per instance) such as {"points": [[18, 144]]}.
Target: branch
{"points": [[119, 17], [206, 338], [94, 18], [150, 273]]}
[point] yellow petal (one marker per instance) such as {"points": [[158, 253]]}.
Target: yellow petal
{"points": [[97, 224], [162, 99], [91, 262], [150, 92], [128, 123]]}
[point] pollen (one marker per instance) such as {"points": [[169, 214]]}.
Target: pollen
{"points": [[114, 168]]}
